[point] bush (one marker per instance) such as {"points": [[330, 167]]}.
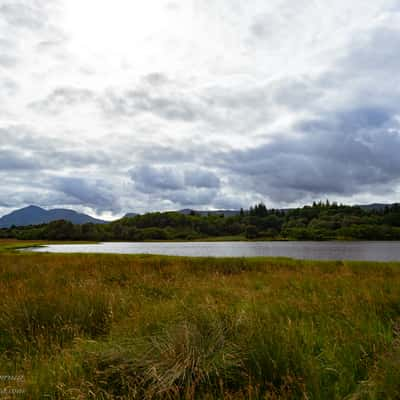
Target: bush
{"points": [[252, 232]]}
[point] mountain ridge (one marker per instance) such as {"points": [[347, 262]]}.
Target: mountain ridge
{"points": [[34, 215]]}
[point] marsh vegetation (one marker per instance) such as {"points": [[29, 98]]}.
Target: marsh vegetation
{"points": [[155, 327]]}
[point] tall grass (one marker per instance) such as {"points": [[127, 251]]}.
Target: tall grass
{"points": [[150, 327]]}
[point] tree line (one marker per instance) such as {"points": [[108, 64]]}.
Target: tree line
{"points": [[320, 221]]}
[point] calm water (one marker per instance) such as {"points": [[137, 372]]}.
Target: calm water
{"points": [[369, 251]]}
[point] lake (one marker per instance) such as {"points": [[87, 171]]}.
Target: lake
{"points": [[361, 250]]}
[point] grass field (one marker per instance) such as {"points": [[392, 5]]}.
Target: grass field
{"points": [[156, 327]]}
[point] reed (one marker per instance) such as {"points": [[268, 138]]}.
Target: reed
{"points": [[153, 327]]}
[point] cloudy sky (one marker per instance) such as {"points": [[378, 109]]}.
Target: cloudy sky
{"points": [[127, 105]]}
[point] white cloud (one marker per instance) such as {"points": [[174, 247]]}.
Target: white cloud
{"points": [[216, 103]]}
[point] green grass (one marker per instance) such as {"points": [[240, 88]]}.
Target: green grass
{"points": [[154, 327]]}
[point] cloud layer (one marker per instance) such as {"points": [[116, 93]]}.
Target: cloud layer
{"points": [[207, 105]]}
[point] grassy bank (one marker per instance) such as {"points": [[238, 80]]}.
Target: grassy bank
{"points": [[152, 327], [10, 245]]}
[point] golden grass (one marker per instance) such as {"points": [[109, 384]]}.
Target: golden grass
{"points": [[153, 327]]}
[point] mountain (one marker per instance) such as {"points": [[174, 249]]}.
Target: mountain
{"points": [[33, 215]]}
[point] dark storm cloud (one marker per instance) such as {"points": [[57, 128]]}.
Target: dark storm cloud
{"points": [[177, 185], [192, 197], [230, 202], [38, 190], [23, 148], [27, 186], [47, 190], [201, 179], [29, 160], [13, 198], [149, 179], [15, 160], [341, 153], [96, 194]]}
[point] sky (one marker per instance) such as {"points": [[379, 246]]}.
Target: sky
{"points": [[119, 106]]}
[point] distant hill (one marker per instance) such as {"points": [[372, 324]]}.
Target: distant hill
{"points": [[130, 215], [188, 211], [226, 213], [33, 215], [375, 206]]}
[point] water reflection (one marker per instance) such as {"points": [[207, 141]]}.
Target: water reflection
{"points": [[369, 251]]}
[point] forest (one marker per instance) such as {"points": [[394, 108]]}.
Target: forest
{"points": [[319, 221]]}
